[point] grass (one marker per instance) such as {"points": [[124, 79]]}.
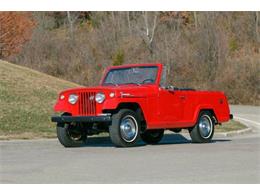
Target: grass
{"points": [[232, 125], [26, 101], [27, 98]]}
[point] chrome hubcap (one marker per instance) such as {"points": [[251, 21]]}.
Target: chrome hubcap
{"points": [[128, 128], [205, 126]]}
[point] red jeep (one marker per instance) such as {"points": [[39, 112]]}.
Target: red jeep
{"points": [[134, 102]]}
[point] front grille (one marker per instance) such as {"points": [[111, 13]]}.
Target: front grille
{"points": [[87, 103]]}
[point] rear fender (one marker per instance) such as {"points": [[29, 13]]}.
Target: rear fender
{"points": [[205, 107]]}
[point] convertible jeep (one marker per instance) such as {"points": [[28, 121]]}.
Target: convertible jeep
{"points": [[133, 102]]}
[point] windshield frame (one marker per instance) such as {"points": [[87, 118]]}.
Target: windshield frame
{"points": [[157, 79]]}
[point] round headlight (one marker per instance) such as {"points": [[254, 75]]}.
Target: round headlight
{"points": [[73, 99], [100, 97]]}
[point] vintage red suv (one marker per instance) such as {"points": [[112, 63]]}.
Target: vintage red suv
{"points": [[133, 102]]}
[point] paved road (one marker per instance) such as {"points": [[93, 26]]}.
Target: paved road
{"points": [[247, 114], [175, 160]]}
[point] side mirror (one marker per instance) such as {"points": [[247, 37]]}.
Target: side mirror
{"points": [[170, 88]]}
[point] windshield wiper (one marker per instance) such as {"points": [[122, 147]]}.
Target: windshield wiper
{"points": [[111, 84], [131, 83]]}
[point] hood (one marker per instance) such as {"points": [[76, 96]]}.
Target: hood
{"points": [[121, 89]]}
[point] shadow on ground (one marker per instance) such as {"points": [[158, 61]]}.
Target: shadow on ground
{"points": [[167, 139]]}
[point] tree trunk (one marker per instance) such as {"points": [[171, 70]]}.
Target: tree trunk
{"points": [[71, 29], [129, 22], [71, 20], [195, 20], [257, 27], [150, 32]]}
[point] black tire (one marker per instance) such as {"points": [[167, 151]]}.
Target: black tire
{"points": [[196, 133], [65, 137], [152, 136], [116, 132]]}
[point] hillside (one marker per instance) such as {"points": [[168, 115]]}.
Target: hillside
{"points": [[202, 50], [26, 101]]}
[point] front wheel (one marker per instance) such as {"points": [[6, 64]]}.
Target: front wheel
{"points": [[152, 136], [125, 128], [70, 134], [203, 131]]}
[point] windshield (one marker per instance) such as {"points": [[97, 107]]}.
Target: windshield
{"points": [[132, 75]]}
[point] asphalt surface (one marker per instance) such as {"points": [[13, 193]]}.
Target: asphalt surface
{"points": [[250, 115], [233, 159]]}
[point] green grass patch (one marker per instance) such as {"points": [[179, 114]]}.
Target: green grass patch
{"points": [[27, 98]]}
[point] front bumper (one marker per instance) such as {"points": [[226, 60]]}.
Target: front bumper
{"points": [[68, 119]]}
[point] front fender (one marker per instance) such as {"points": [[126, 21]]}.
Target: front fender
{"points": [[110, 104], [63, 106], [113, 104]]}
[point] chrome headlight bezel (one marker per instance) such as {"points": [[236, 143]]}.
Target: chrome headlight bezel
{"points": [[73, 98], [100, 97]]}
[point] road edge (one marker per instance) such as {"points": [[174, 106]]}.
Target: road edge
{"points": [[236, 132]]}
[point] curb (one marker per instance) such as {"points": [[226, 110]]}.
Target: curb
{"points": [[236, 132], [233, 133]]}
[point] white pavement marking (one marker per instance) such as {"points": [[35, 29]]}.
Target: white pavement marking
{"points": [[250, 121]]}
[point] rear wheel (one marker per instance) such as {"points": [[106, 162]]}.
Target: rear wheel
{"points": [[70, 134], [125, 128], [203, 131], [152, 136]]}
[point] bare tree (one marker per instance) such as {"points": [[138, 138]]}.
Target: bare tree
{"points": [[257, 27], [150, 24], [195, 19], [129, 22], [72, 18]]}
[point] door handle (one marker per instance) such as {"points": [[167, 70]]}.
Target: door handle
{"points": [[182, 97]]}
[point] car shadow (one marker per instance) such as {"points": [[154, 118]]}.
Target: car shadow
{"points": [[168, 139]]}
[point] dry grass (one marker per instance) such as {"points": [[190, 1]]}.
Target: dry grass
{"points": [[26, 100], [232, 125], [28, 135]]}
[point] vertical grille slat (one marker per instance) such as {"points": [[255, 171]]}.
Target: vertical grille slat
{"points": [[89, 107], [91, 104], [94, 104], [87, 104], [80, 103]]}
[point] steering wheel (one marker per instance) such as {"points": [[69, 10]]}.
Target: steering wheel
{"points": [[148, 81]]}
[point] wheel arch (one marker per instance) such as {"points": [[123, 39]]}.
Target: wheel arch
{"points": [[210, 110], [128, 105]]}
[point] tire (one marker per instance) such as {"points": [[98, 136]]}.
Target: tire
{"points": [[152, 136], [125, 128], [66, 138], [203, 131]]}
